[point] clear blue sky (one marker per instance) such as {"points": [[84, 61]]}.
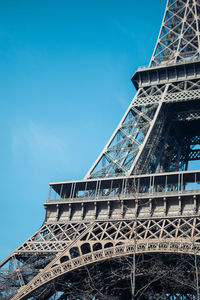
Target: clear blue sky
{"points": [[65, 69]]}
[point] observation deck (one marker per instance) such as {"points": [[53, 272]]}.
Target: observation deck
{"points": [[166, 72], [142, 196]]}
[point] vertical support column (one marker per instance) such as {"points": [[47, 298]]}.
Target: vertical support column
{"points": [[61, 190], [70, 211], [122, 209], [96, 189], [95, 210], [136, 207], [99, 188], [85, 189], [73, 190], [82, 210], [180, 205], [109, 210], [166, 184], [150, 207], [57, 212], [165, 206], [195, 204], [123, 186]]}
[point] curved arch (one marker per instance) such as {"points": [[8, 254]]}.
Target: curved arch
{"points": [[119, 243], [168, 246], [74, 252], [108, 245], [64, 259], [97, 246], [85, 248]]}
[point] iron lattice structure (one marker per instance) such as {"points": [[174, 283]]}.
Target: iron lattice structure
{"points": [[131, 228]]}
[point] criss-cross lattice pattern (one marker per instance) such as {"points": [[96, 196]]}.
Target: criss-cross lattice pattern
{"points": [[123, 147], [52, 237], [158, 133], [133, 144], [179, 36], [38, 251], [176, 92], [104, 240]]}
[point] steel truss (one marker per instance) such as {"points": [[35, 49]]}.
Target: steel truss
{"points": [[102, 241], [179, 35], [140, 130], [133, 223]]}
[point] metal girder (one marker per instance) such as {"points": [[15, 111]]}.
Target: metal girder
{"points": [[140, 132], [179, 35], [123, 147], [51, 238], [178, 41], [105, 240], [131, 212]]}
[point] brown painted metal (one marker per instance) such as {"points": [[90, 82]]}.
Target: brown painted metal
{"points": [[138, 189]]}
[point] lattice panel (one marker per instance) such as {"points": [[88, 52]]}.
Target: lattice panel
{"points": [[40, 249], [149, 95], [186, 228], [52, 238], [191, 155], [182, 96], [136, 145], [123, 147], [186, 85], [187, 116], [123, 150], [155, 90], [112, 239], [179, 36]]}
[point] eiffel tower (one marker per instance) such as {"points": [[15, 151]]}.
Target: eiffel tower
{"points": [[131, 228]]}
